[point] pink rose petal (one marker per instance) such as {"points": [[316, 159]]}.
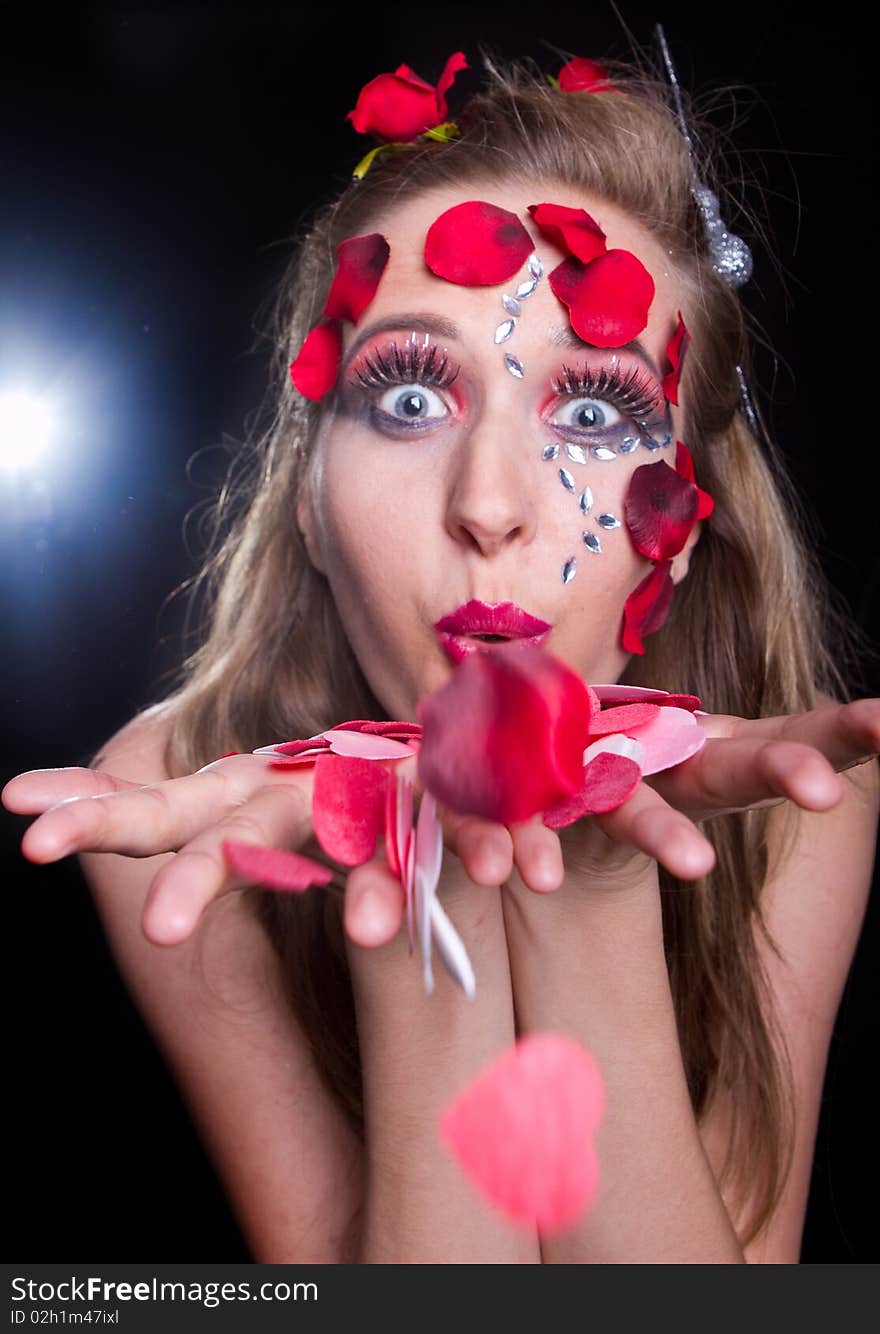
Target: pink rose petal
{"points": [[522, 1130], [348, 806], [366, 745], [622, 718], [673, 736], [274, 867], [621, 694]]}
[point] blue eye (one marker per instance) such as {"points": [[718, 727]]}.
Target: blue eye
{"points": [[412, 402], [587, 414]]}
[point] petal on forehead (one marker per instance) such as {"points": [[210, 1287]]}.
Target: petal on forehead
{"points": [[608, 299], [361, 263], [571, 229], [476, 244]]}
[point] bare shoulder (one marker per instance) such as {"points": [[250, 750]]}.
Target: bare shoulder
{"points": [[138, 750], [814, 905], [217, 1008]]}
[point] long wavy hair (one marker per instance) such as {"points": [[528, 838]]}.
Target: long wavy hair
{"points": [[748, 630]]}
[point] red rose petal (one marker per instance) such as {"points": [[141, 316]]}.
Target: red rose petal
{"points": [[361, 263], [476, 244], [572, 229], [522, 1130], [608, 299], [684, 465], [348, 806], [584, 76], [623, 694], [621, 719], [274, 867], [505, 737], [675, 354], [315, 369], [453, 66], [297, 747], [660, 508], [647, 607], [608, 781]]}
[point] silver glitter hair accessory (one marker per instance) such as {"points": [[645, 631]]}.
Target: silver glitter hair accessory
{"points": [[731, 257]]}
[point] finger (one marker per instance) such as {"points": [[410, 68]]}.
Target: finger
{"points": [[846, 734], [277, 816], [484, 847], [374, 903], [731, 775], [538, 855], [646, 822], [141, 821], [33, 792]]}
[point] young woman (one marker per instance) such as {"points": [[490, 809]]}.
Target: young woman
{"points": [[696, 939]]}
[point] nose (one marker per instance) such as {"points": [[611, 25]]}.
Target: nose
{"points": [[491, 503]]}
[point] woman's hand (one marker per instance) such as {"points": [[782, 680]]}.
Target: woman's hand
{"points": [[240, 798], [744, 764]]}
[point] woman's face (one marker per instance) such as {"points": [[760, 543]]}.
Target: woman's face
{"points": [[432, 487]]}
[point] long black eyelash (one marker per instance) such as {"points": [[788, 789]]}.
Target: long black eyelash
{"points": [[414, 363], [633, 393]]}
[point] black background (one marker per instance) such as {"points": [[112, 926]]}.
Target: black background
{"points": [[154, 161]]}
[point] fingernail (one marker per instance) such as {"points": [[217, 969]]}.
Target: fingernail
{"points": [[371, 914]]}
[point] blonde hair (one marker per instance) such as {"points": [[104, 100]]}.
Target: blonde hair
{"points": [[747, 631]]}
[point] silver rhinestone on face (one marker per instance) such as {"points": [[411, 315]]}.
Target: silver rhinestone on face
{"points": [[650, 443], [602, 453], [536, 268], [525, 289], [592, 543], [666, 441], [576, 453], [569, 570], [585, 500], [503, 332], [629, 443], [514, 365], [608, 521], [566, 479], [511, 305], [550, 452]]}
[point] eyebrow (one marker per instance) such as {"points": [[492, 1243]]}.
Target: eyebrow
{"points": [[441, 328]]}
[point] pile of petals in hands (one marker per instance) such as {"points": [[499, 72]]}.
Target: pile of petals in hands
{"points": [[513, 733]]}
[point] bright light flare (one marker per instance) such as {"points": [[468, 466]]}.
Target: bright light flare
{"points": [[25, 426]]}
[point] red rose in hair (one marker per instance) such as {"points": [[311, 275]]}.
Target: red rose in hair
{"points": [[400, 106], [476, 244], [584, 76]]}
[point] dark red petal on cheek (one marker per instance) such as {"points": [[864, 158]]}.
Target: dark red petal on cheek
{"points": [[684, 465], [476, 244], [608, 299], [675, 355], [571, 229], [361, 263], [660, 508], [647, 607], [316, 367]]}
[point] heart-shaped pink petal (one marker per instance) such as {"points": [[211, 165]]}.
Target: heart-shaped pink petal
{"points": [[275, 868], [348, 806], [673, 736], [522, 1130]]}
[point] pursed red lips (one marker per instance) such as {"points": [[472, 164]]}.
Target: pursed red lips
{"points": [[478, 625]]}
